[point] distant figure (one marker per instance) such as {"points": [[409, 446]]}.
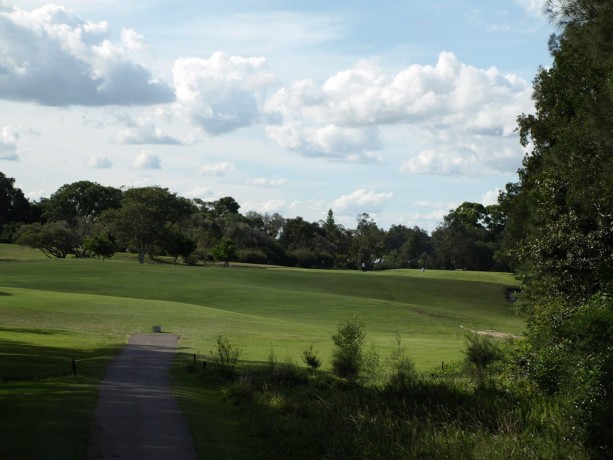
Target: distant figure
{"points": [[423, 269], [363, 266]]}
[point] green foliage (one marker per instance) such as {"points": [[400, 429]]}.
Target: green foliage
{"points": [[100, 247], [80, 202], [177, 244], [403, 374], [311, 359], [225, 250], [55, 239], [226, 354], [14, 208], [141, 221], [347, 358], [481, 352]]}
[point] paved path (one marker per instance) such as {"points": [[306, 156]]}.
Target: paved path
{"points": [[137, 417]]}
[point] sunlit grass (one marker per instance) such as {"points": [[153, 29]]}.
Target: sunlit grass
{"points": [[54, 311]]}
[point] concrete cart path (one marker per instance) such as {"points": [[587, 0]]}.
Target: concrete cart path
{"points": [[137, 417]]}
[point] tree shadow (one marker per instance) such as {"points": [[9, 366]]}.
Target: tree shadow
{"points": [[47, 411]]}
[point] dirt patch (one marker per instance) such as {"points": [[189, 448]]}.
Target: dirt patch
{"points": [[495, 334]]}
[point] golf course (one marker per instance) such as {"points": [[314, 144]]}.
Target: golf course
{"points": [[56, 311]]}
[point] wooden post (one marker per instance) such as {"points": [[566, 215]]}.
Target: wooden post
{"points": [[194, 361], [203, 367], [442, 365], [74, 368]]}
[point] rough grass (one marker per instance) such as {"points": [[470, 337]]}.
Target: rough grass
{"points": [[54, 311]]}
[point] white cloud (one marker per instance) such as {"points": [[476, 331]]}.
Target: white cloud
{"points": [[459, 154], [490, 197], [147, 159], [362, 201], [217, 169], [535, 7], [203, 193], [98, 162], [269, 206], [341, 117], [263, 182], [144, 131], [52, 57], [222, 93], [9, 143]]}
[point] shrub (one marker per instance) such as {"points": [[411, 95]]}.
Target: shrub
{"points": [[403, 370], [347, 359], [311, 359], [480, 353], [227, 354]]}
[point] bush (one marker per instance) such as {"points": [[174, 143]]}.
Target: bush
{"points": [[226, 354], [311, 359], [403, 370], [480, 353], [347, 359], [252, 256]]}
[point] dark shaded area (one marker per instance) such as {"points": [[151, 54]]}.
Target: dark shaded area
{"points": [[46, 412]]}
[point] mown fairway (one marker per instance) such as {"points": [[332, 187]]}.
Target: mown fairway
{"points": [[53, 311]]}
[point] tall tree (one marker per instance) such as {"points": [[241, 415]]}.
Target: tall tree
{"points": [[80, 203], [141, 221], [14, 207], [561, 214]]}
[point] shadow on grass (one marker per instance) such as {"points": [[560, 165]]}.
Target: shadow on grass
{"points": [[46, 411], [23, 361], [213, 420], [27, 330]]}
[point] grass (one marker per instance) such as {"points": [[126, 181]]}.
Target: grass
{"points": [[54, 311]]}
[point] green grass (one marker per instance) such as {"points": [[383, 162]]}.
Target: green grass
{"points": [[56, 310]]}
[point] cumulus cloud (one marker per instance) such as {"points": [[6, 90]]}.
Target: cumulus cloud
{"points": [[98, 162], [362, 201], [147, 159], [217, 169], [9, 143], [342, 116], [144, 131], [466, 158], [199, 192], [263, 182], [269, 206], [53, 57], [490, 197], [222, 93], [535, 7]]}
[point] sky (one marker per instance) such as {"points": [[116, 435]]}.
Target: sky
{"points": [[399, 109]]}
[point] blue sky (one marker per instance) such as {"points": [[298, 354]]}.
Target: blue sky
{"points": [[402, 110]]}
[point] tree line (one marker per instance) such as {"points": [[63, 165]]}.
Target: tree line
{"points": [[88, 219]]}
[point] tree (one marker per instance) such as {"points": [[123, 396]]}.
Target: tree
{"points": [[225, 250], [226, 205], [14, 207], [140, 223], [464, 240], [81, 202], [566, 188], [176, 243], [55, 239], [368, 240], [100, 247], [205, 232], [561, 216], [347, 357]]}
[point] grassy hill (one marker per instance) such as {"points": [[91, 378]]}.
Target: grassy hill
{"points": [[54, 311]]}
